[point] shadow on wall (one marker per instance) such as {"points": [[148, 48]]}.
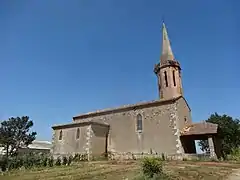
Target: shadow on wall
{"points": [[100, 139], [100, 131]]}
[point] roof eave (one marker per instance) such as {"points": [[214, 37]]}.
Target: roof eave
{"points": [[126, 107], [70, 125]]}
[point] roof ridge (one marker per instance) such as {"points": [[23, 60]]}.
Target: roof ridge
{"points": [[125, 107]]}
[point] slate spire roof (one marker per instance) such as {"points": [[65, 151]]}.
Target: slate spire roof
{"points": [[166, 53]]}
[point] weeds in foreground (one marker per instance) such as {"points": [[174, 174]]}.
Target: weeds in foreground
{"points": [[234, 155], [152, 169], [32, 160]]}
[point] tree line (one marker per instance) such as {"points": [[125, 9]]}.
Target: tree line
{"points": [[228, 133]]}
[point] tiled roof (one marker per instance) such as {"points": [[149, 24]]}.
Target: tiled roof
{"points": [[200, 128], [76, 124]]}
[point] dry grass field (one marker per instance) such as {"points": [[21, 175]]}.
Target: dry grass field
{"points": [[112, 170]]}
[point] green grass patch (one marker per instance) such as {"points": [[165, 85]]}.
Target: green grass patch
{"points": [[119, 170]]}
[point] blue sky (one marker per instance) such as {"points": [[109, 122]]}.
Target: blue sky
{"points": [[62, 58]]}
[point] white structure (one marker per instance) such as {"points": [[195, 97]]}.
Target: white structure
{"points": [[36, 146], [40, 145]]}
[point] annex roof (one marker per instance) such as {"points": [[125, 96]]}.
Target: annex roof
{"points": [[128, 107], [200, 129]]}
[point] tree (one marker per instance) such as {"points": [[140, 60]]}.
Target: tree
{"points": [[204, 145], [14, 133], [228, 133]]}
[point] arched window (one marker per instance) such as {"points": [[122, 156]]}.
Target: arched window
{"points": [[60, 135], [165, 77], [174, 80], [78, 133], [139, 122], [185, 119]]}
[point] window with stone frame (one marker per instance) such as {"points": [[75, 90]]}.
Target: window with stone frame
{"points": [[139, 122], [78, 133], [60, 135], [185, 120]]}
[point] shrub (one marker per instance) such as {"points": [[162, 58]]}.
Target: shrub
{"points": [[76, 157], [37, 160], [70, 159], [44, 161], [3, 163], [163, 157], [152, 166], [29, 160], [80, 157], [235, 154], [50, 161], [15, 162], [64, 160], [83, 157], [58, 162]]}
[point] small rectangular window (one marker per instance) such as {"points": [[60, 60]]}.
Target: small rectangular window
{"points": [[174, 80], [60, 135], [78, 133], [139, 122], [166, 80]]}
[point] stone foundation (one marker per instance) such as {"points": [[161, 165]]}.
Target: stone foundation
{"points": [[137, 156]]}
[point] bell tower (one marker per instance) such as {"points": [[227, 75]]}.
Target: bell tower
{"points": [[168, 70]]}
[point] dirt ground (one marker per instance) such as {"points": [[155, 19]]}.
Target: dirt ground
{"points": [[235, 175]]}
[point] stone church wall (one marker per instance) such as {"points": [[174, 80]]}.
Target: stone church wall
{"points": [[184, 113], [160, 133], [98, 142], [70, 144]]}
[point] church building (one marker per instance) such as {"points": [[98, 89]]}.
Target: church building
{"points": [[160, 126]]}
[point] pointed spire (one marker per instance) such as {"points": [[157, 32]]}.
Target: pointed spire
{"points": [[167, 53]]}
